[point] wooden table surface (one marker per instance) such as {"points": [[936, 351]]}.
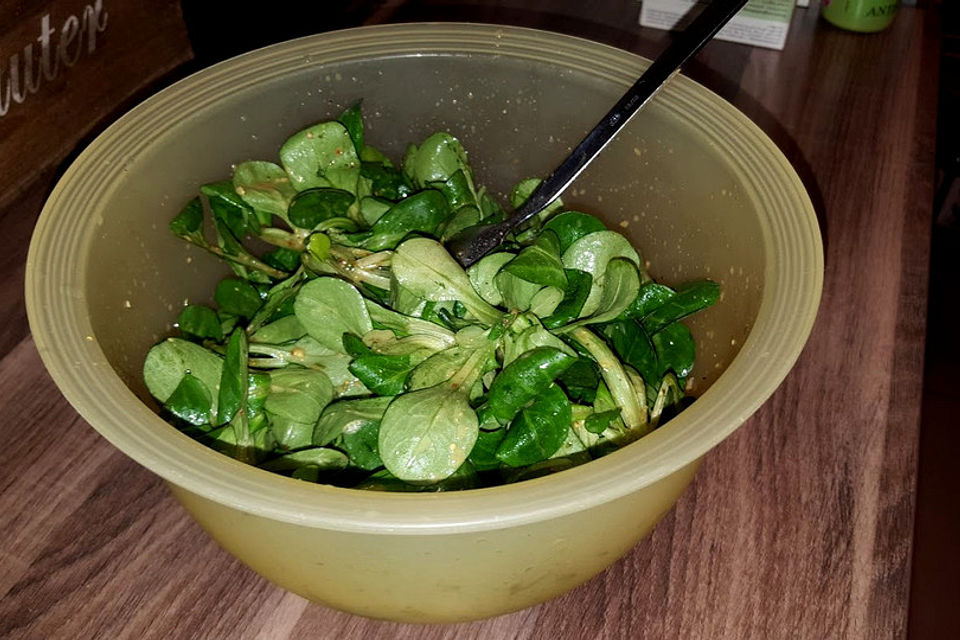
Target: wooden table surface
{"points": [[798, 526]]}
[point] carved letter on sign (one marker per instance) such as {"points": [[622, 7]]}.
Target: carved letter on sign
{"points": [[66, 66]]}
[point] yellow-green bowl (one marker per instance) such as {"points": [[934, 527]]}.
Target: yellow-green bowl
{"points": [[699, 189]]}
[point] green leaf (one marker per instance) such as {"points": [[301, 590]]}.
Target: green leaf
{"points": [[345, 384], [348, 415], [592, 253], [328, 308], [464, 217], [385, 181], [297, 398], [525, 379], [190, 401], [307, 352], [361, 442], [639, 386], [490, 209], [539, 263], [416, 345], [482, 276], [599, 422], [312, 206], [422, 212], [689, 298], [407, 325], [578, 288], [516, 344], [538, 431], [383, 375], [580, 380], [603, 400], [352, 119], [307, 473], [321, 156], [169, 361], [621, 281], [424, 267], [463, 478], [278, 302], [372, 208], [517, 293], [243, 263], [265, 187], [238, 297], [200, 321], [408, 304], [544, 302], [457, 189], [442, 313], [319, 245], [354, 346], [228, 322], [675, 350], [438, 368], [190, 219], [634, 347], [570, 226], [650, 296], [282, 259], [228, 207], [372, 154], [426, 435], [616, 379], [487, 420], [232, 396], [522, 191], [258, 388], [321, 457], [261, 444], [483, 456], [436, 160], [288, 433]]}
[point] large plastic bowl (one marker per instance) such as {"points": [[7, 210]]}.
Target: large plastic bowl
{"points": [[700, 190]]}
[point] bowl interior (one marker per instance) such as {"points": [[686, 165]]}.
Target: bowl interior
{"points": [[660, 182], [690, 180]]}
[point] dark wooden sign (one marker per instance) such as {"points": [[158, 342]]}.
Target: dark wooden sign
{"points": [[66, 68], [65, 65]]}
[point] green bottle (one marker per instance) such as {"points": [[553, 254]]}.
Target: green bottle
{"points": [[866, 16]]}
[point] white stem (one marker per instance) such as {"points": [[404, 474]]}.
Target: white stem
{"points": [[617, 380]]}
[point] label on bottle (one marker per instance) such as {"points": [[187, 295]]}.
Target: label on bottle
{"points": [[860, 15]]}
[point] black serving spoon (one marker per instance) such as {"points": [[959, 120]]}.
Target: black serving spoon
{"points": [[473, 243]]}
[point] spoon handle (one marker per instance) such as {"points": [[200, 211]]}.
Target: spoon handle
{"points": [[685, 44]]}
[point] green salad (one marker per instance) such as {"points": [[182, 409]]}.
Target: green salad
{"points": [[357, 352]]}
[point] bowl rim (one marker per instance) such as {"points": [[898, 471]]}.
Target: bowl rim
{"points": [[789, 302]]}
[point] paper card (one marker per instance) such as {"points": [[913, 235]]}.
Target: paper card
{"points": [[762, 23]]}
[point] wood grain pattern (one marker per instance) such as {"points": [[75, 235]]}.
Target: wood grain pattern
{"points": [[798, 526]]}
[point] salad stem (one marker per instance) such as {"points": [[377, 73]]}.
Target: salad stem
{"points": [[280, 238], [617, 380], [243, 259], [343, 264]]}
